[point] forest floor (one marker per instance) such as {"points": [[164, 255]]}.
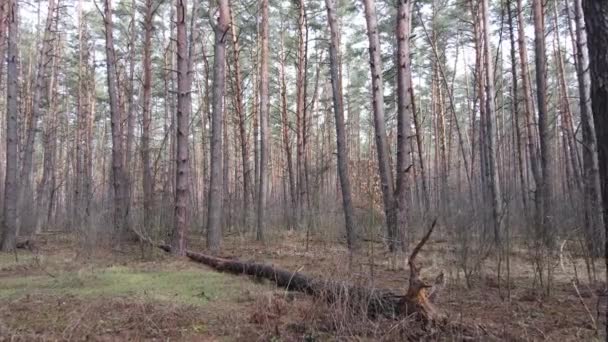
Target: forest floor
{"points": [[64, 291]]}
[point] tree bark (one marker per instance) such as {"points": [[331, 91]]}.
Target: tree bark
{"points": [[386, 176], [46, 186], [148, 192], [182, 192], [492, 169], [264, 134], [39, 107], [241, 123], [546, 130], [293, 195], [528, 104], [592, 183], [214, 215], [596, 19], [9, 217], [82, 181], [515, 112], [419, 147], [336, 82], [130, 94], [301, 82], [564, 105], [118, 179], [404, 109]]}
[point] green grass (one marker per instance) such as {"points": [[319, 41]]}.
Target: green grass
{"points": [[7, 260], [189, 286]]}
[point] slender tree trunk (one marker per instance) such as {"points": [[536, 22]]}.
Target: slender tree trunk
{"points": [[285, 134], [264, 133], [206, 114], [118, 179], [182, 192], [404, 109], [39, 107], [9, 217], [148, 192], [226, 195], [386, 176], [214, 215], [440, 122], [564, 104], [88, 152], [255, 106], [480, 81], [419, 146], [492, 169], [336, 82], [241, 123], [130, 93], [528, 104], [515, 111], [46, 186], [83, 107], [546, 131], [301, 105]]}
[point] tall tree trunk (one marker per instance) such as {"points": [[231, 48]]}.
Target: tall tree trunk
{"points": [[386, 176], [404, 108], [241, 122], [148, 192], [9, 217], [130, 93], [596, 19], [480, 81], [564, 105], [214, 215], [46, 186], [264, 134], [515, 111], [592, 183], [528, 104], [255, 106], [285, 134], [301, 82], [206, 114], [440, 123], [546, 130], [83, 107], [88, 150], [39, 107], [118, 178], [226, 195], [492, 169], [182, 193], [419, 147], [336, 82]]}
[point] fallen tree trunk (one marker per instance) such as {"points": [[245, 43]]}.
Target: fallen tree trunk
{"points": [[372, 301]]}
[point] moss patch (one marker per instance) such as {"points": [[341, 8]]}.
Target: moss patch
{"points": [[186, 285]]}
